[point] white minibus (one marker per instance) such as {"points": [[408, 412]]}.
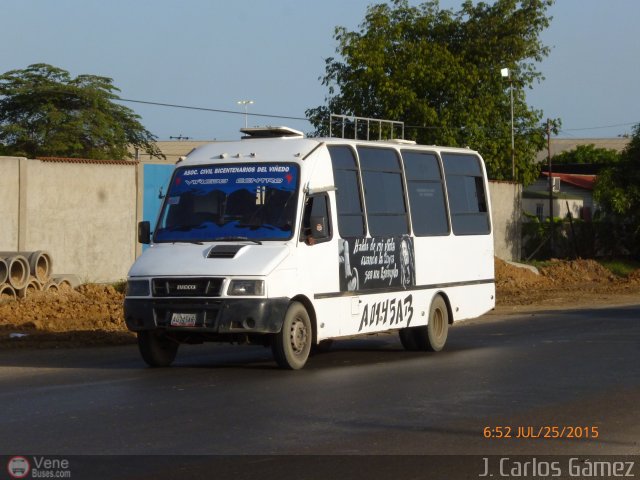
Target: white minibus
{"points": [[290, 242]]}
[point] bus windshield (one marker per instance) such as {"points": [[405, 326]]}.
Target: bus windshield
{"points": [[207, 203]]}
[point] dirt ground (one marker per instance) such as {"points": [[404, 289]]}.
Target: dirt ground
{"points": [[89, 315], [92, 314], [562, 284]]}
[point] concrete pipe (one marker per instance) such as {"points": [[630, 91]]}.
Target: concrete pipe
{"points": [[67, 280], [51, 287], [18, 269], [32, 286], [4, 271], [63, 284], [40, 263], [7, 292]]}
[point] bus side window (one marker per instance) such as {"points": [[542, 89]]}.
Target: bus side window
{"points": [[316, 220], [426, 193], [383, 191], [467, 198], [348, 195]]}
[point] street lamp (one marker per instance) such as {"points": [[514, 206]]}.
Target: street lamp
{"points": [[506, 73], [246, 104]]}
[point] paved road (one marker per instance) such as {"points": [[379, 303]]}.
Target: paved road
{"points": [[367, 396]]}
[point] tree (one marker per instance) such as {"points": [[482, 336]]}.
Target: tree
{"points": [[439, 72], [587, 154], [46, 112], [617, 192]]}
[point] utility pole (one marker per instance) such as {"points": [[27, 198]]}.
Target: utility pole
{"points": [[506, 73], [513, 141], [551, 223]]}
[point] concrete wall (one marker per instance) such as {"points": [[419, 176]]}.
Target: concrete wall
{"points": [[506, 211], [82, 212], [9, 202]]}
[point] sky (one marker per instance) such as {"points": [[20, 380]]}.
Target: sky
{"points": [[214, 53]]}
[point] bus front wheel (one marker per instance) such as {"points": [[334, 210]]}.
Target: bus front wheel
{"points": [[156, 349], [291, 346]]}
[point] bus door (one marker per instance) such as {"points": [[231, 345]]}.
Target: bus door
{"points": [[319, 258]]}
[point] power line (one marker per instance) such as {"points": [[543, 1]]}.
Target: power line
{"points": [[217, 110], [599, 128], [288, 117]]}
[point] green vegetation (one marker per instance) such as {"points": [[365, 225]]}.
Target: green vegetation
{"points": [[587, 154], [617, 192], [621, 267], [46, 112], [120, 286], [439, 71], [539, 263]]}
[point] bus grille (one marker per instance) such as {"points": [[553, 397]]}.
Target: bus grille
{"points": [[187, 287]]}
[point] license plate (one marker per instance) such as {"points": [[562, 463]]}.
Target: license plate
{"points": [[184, 319]]}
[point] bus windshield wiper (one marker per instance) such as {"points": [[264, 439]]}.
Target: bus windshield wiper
{"points": [[236, 238], [195, 242]]}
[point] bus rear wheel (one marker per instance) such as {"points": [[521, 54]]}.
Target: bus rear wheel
{"points": [[292, 345], [433, 336], [408, 338], [156, 349]]}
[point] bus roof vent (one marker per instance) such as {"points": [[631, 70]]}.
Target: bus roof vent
{"points": [[363, 128], [270, 132], [399, 141]]}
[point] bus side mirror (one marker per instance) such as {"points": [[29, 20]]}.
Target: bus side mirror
{"points": [[144, 232], [319, 230]]}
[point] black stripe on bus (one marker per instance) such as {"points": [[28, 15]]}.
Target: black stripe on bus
{"points": [[372, 291]]}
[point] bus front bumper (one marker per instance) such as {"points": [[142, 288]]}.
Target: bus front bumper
{"points": [[218, 316]]}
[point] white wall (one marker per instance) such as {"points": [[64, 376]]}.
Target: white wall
{"points": [[506, 212], [529, 205]]}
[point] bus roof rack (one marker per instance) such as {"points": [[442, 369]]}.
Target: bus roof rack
{"points": [[354, 125], [270, 132]]}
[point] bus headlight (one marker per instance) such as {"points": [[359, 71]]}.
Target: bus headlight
{"points": [[138, 288], [253, 288]]}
